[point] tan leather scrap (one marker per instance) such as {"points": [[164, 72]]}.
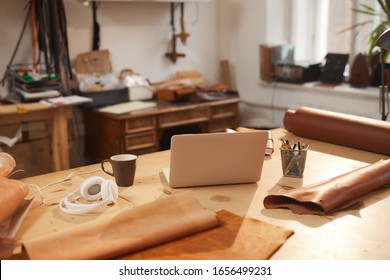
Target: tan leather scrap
{"points": [[237, 238], [160, 221]]}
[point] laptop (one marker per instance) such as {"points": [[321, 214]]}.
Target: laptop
{"points": [[216, 158]]}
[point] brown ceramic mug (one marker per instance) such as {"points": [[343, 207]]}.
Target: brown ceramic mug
{"points": [[123, 168]]}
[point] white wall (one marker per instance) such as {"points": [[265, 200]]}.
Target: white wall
{"points": [[139, 34], [244, 25]]}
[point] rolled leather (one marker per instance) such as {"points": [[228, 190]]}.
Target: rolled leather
{"points": [[7, 164], [12, 192], [338, 128], [334, 194]]}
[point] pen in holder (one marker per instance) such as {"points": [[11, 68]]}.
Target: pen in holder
{"points": [[293, 159]]}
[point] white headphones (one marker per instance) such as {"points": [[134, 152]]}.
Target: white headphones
{"points": [[101, 191]]}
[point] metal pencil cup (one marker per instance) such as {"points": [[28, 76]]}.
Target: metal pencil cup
{"points": [[293, 162]]}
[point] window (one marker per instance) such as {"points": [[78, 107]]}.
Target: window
{"points": [[321, 26]]}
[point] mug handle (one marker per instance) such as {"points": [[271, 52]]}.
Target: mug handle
{"points": [[102, 166]]}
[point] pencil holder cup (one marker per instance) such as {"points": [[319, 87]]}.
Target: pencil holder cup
{"points": [[293, 162]]}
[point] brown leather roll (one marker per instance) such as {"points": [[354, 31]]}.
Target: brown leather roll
{"points": [[338, 128], [335, 194]]}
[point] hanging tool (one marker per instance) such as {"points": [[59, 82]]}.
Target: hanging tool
{"points": [[183, 35], [174, 55]]}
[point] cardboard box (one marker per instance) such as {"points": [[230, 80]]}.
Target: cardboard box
{"points": [[94, 62]]}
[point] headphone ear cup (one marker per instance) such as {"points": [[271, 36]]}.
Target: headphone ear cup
{"points": [[90, 189], [109, 191]]}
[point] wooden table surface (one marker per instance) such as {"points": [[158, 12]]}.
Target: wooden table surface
{"points": [[359, 233]]}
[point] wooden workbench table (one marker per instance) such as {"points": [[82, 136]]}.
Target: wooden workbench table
{"points": [[358, 233]]}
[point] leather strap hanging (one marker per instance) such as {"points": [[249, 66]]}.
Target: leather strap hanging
{"points": [[43, 42], [49, 36], [174, 55], [96, 28], [34, 41], [183, 35], [66, 72]]}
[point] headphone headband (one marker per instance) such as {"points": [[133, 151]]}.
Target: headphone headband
{"points": [[99, 191]]}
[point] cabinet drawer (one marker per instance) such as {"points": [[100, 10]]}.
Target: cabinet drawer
{"points": [[140, 124], [224, 111], [183, 117], [140, 140]]}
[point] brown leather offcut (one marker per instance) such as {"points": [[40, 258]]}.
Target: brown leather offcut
{"points": [[237, 238], [126, 231], [337, 128], [335, 194]]}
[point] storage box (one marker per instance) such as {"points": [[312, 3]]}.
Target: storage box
{"points": [[140, 93], [104, 97], [297, 72]]}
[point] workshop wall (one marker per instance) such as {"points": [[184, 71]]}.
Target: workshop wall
{"points": [[137, 35]]}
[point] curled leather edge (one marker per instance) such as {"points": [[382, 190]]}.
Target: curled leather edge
{"points": [[334, 194]]}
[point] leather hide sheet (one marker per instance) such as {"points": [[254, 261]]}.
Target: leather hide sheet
{"points": [[334, 194]]}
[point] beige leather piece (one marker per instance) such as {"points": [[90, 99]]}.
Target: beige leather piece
{"points": [[162, 220], [236, 239]]}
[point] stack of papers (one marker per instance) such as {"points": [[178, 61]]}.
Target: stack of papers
{"points": [[29, 96], [66, 100], [127, 107]]}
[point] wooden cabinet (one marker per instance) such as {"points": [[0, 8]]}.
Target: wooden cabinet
{"points": [[140, 132]]}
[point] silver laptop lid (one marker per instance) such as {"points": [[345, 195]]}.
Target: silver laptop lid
{"points": [[216, 158]]}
